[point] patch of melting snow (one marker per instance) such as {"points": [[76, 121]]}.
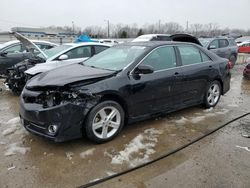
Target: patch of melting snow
{"points": [[183, 120], [11, 168], [14, 148], [6, 87], [94, 180], [197, 119], [233, 105], [245, 148], [139, 149], [208, 110], [13, 125], [86, 153], [69, 155], [110, 173], [222, 112]]}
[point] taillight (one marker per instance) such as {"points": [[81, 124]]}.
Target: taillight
{"points": [[229, 65]]}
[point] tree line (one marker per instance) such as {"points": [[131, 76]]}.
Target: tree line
{"points": [[133, 30]]}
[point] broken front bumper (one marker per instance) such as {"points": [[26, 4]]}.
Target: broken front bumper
{"points": [[68, 118]]}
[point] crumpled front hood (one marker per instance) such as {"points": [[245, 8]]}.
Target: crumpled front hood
{"points": [[66, 75]]}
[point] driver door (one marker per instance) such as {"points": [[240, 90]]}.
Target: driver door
{"points": [[152, 93]]}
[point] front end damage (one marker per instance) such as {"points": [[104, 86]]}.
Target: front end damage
{"points": [[55, 113], [16, 78]]}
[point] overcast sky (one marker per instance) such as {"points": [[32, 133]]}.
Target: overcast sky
{"points": [[31, 13]]}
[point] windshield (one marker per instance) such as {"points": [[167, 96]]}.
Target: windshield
{"points": [[53, 51], [115, 58], [205, 41]]}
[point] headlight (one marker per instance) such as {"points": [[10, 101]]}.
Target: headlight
{"points": [[54, 98]]}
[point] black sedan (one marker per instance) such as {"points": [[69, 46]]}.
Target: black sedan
{"points": [[123, 84]]}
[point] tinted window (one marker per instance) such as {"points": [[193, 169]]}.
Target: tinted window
{"points": [[223, 43], [232, 42], [99, 49], [161, 58], [189, 55], [214, 44], [14, 49], [80, 52]]}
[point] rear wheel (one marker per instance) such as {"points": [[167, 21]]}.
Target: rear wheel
{"points": [[104, 121], [212, 95]]}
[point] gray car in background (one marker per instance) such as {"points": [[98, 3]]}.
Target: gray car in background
{"points": [[222, 46]]}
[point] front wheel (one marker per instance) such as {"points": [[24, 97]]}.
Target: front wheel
{"points": [[212, 95], [104, 121]]}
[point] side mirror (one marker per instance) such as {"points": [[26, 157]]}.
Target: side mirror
{"points": [[63, 57], [212, 47], [144, 69], [3, 54]]}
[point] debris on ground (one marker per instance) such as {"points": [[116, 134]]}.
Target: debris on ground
{"points": [[69, 155]]}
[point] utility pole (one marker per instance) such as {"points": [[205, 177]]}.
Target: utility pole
{"points": [[73, 27], [108, 26], [159, 26]]}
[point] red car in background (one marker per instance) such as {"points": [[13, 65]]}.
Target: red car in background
{"points": [[244, 47]]}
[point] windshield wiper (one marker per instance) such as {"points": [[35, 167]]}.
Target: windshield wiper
{"points": [[92, 66]]}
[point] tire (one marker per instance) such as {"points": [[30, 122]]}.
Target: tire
{"points": [[233, 59], [212, 94], [106, 127]]}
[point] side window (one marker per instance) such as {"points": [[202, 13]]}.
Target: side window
{"points": [[14, 49], [204, 57], [80, 52], [223, 43], [161, 58], [99, 49], [190, 55], [44, 46], [214, 44]]}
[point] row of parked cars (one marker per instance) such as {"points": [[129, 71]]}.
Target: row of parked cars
{"points": [[94, 89]]}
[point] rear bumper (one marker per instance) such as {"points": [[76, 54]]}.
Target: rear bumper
{"points": [[226, 83]]}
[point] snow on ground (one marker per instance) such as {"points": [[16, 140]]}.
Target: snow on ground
{"points": [[86, 153], [245, 148], [12, 125], [197, 119], [138, 150], [110, 173], [14, 148], [183, 120]]}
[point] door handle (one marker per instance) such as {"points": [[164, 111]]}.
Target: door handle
{"points": [[176, 73]]}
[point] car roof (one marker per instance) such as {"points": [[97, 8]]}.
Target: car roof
{"points": [[154, 43], [87, 43]]}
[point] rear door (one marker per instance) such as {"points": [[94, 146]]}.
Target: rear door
{"points": [[197, 69], [224, 49], [152, 93]]}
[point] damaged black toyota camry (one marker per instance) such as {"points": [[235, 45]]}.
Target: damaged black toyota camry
{"points": [[124, 84]]}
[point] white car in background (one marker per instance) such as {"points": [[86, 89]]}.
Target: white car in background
{"points": [[66, 54], [47, 60]]}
